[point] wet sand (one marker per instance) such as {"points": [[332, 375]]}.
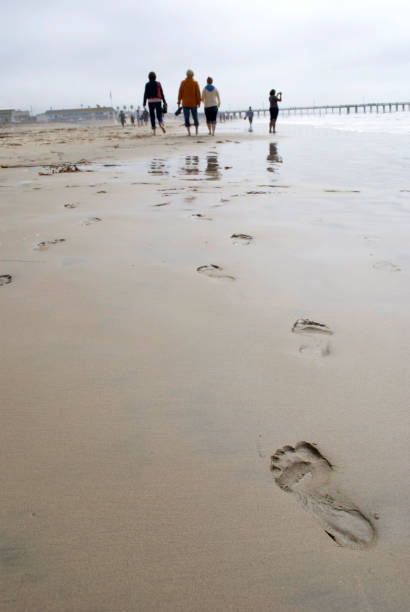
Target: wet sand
{"points": [[149, 371]]}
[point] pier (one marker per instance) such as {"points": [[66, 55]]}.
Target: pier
{"points": [[345, 109]]}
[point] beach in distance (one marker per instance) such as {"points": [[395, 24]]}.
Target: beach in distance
{"points": [[205, 367]]}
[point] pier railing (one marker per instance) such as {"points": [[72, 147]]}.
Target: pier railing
{"points": [[368, 107]]}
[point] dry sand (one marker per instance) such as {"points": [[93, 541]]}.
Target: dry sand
{"points": [[142, 398]]}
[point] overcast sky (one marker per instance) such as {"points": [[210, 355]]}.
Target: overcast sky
{"points": [[64, 53]]}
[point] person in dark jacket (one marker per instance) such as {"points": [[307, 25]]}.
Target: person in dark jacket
{"points": [[155, 97]]}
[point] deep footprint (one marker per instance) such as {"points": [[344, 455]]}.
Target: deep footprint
{"points": [[5, 279], [305, 472], [214, 271]]}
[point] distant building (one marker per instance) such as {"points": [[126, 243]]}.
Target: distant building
{"points": [[81, 114], [11, 115], [6, 115], [20, 116]]}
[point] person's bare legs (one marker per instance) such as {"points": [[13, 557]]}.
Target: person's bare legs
{"points": [[188, 127], [161, 125], [270, 126], [196, 130], [213, 128], [209, 128], [154, 132]]}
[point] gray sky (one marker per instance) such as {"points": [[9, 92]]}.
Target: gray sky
{"points": [[65, 53]]}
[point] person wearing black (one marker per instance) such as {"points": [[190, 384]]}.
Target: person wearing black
{"points": [[155, 97], [274, 108]]}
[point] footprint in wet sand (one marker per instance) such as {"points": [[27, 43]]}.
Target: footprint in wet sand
{"points": [[91, 220], [44, 244], [5, 279], [386, 266], [70, 206], [241, 239], [201, 216], [316, 335], [305, 472], [102, 191], [214, 271]]}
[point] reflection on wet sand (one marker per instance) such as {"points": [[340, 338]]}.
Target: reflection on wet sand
{"points": [[191, 165], [273, 157], [212, 167], [158, 166]]}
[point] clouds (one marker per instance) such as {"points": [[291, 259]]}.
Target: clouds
{"points": [[65, 54]]}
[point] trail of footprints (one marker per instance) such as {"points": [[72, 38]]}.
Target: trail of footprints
{"points": [[300, 470]]}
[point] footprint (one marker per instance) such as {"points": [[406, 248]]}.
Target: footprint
{"points": [[91, 220], [214, 271], [200, 216], [162, 204], [5, 279], [241, 239], [317, 343], [386, 266], [305, 472], [70, 206], [102, 191], [307, 325], [44, 244]]}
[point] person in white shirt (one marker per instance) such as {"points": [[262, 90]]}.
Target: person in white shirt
{"points": [[210, 98]]}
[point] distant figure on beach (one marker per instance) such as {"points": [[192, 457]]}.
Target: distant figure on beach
{"points": [[210, 98], [155, 96], [138, 117], [249, 116], [145, 116], [274, 98], [122, 118], [132, 118], [190, 98]]}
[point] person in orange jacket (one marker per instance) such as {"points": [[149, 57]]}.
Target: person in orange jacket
{"points": [[190, 97]]}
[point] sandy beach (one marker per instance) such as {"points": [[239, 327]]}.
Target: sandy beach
{"points": [[149, 370]]}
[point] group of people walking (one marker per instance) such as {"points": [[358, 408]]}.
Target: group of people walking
{"points": [[189, 100], [140, 116]]}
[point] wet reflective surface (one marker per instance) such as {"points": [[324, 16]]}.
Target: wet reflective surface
{"points": [[158, 166], [191, 165], [212, 167], [273, 157]]}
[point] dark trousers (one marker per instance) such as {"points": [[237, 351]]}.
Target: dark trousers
{"points": [[155, 107]]}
